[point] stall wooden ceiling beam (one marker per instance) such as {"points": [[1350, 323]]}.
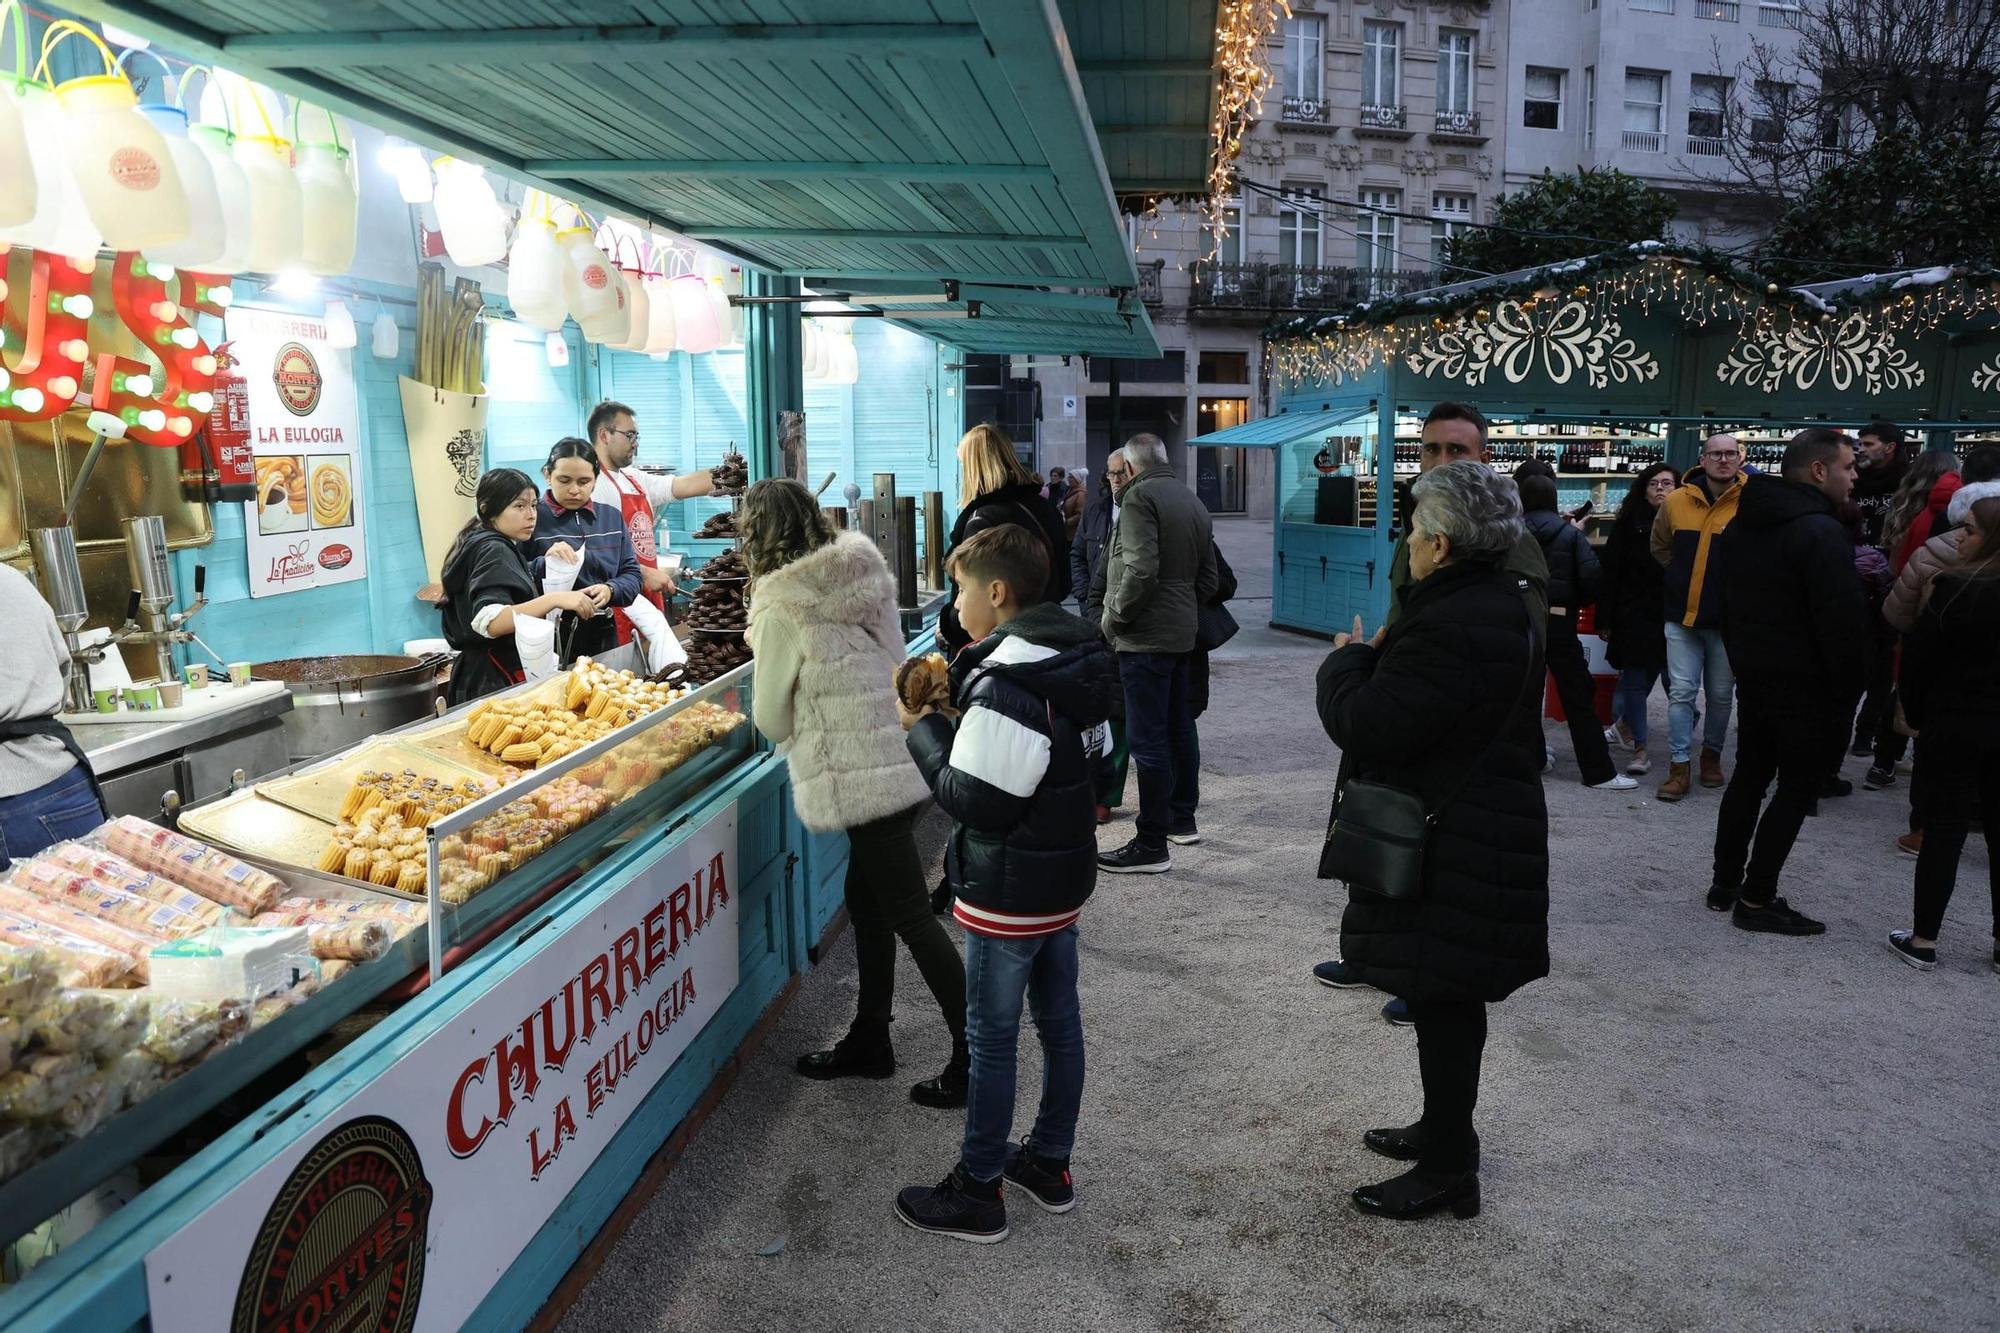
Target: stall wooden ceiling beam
{"points": [[696, 231], [1147, 69], [596, 45], [582, 168]]}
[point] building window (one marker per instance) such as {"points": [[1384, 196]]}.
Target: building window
{"points": [[1542, 109], [1224, 368], [1590, 106], [1449, 214], [1231, 249], [1454, 85], [1305, 62], [1654, 6], [1298, 227], [1772, 111], [1375, 239], [1708, 114], [1645, 111], [1381, 54]]}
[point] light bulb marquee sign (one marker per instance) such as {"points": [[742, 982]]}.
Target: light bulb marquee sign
{"points": [[46, 357]]}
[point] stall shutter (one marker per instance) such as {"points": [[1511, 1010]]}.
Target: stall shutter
{"points": [[829, 438], [892, 408], [721, 408], [652, 389]]}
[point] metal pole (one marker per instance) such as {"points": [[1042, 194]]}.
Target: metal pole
{"points": [[906, 550], [934, 539], [1117, 413]]}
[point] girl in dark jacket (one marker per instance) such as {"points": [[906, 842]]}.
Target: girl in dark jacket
{"points": [[1950, 691], [489, 587], [610, 573], [1632, 606], [1445, 705], [1572, 586], [996, 489]]}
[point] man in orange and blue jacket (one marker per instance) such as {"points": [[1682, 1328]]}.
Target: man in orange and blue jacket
{"points": [[1684, 538]]}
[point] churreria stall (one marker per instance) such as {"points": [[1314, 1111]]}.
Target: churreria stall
{"points": [[1599, 367], [564, 906]]}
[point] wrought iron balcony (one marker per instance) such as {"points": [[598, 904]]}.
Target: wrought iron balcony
{"points": [[1382, 117], [1261, 288], [1645, 141], [1718, 11], [1303, 111], [1461, 124], [1150, 290], [1707, 145], [1777, 16]]}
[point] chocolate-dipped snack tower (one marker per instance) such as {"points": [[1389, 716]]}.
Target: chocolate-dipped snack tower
{"points": [[718, 615]]}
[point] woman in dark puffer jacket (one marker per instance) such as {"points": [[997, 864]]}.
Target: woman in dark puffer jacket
{"points": [[996, 490], [1444, 705]]}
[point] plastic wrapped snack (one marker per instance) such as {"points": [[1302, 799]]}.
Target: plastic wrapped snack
{"points": [[20, 1147], [214, 875], [327, 911], [179, 1030], [13, 1035], [135, 912], [65, 915], [118, 873], [38, 1085], [332, 969], [133, 1077], [26, 978], [72, 1020], [79, 961], [93, 1103]]}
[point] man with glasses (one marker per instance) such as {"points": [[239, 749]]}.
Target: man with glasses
{"points": [[637, 496], [1684, 540]]}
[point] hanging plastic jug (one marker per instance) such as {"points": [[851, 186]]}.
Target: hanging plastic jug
{"points": [[660, 314], [814, 351], [60, 223], [695, 324], [123, 170], [469, 214], [19, 195], [732, 285], [329, 198], [216, 143], [206, 234], [277, 214], [639, 322], [535, 267], [589, 285]]}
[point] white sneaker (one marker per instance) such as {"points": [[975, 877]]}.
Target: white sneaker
{"points": [[1548, 759], [1618, 782], [1640, 763]]}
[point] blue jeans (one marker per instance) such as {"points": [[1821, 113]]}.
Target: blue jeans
{"points": [[1635, 686], [65, 808], [1160, 731], [1696, 659], [997, 974]]}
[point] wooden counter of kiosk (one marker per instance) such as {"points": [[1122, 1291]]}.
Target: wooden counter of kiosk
{"points": [[477, 1137]]}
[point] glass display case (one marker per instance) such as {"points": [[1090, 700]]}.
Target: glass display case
{"points": [[1328, 478]]}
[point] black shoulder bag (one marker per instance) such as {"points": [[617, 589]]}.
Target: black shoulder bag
{"points": [[1377, 835]]}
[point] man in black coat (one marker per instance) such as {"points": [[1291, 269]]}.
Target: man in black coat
{"points": [[1795, 621], [1086, 563]]}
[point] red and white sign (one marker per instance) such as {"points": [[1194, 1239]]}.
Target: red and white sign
{"points": [[304, 529], [406, 1205]]}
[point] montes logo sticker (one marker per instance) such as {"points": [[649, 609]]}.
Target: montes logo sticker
{"points": [[343, 1243], [297, 377]]}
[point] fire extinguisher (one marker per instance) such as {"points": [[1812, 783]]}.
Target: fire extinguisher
{"points": [[220, 452]]}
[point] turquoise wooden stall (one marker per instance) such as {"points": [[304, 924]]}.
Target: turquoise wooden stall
{"points": [[936, 172]]}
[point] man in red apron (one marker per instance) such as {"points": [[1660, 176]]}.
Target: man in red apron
{"points": [[615, 433]]}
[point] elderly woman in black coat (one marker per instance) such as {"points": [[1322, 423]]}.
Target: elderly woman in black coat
{"points": [[1443, 705]]}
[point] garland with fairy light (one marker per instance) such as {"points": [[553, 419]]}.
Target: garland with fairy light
{"points": [[1243, 33], [1703, 287]]}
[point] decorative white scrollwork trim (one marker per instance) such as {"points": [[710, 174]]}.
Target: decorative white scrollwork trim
{"points": [[1563, 340], [1848, 354]]}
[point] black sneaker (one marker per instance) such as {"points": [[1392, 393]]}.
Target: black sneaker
{"points": [[1185, 835], [957, 1206], [1333, 972], [857, 1055], [1878, 777], [1861, 749], [1901, 943], [1720, 899], [1776, 917], [1396, 1013], [1045, 1178], [1836, 787], [1135, 858], [948, 1089]]}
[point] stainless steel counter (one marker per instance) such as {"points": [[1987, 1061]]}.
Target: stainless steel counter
{"points": [[112, 748], [139, 763]]}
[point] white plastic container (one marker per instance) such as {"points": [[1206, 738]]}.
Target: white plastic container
{"points": [[61, 225], [535, 273], [639, 322], [19, 194], [814, 351], [660, 316], [591, 287], [232, 195], [207, 233], [696, 326], [124, 173], [469, 214], [277, 213], [329, 194]]}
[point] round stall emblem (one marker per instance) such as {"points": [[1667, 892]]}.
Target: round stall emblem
{"points": [[135, 169], [297, 376], [336, 556], [343, 1243]]}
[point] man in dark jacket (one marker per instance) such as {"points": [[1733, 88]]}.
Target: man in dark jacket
{"points": [[1158, 570], [1015, 774], [1086, 557], [1795, 620], [1572, 586], [1880, 461]]}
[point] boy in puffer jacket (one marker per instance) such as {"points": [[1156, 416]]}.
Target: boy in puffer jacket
{"points": [[1017, 774]]}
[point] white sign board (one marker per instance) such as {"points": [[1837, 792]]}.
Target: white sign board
{"points": [[1069, 404], [419, 1192], [304, 529]]}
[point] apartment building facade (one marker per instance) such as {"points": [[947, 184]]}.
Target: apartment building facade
{"points": [[1654, 88]]}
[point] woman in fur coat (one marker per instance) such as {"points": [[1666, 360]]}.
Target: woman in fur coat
{"points": [[827, 640]]}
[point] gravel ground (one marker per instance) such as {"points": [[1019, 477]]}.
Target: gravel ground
{"points": [[1683, 1127]]}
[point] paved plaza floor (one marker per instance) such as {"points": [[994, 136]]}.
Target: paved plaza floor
{"points": [[1684, 1126]]}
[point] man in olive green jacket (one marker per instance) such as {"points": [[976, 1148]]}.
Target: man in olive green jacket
{"points": [[1158, 570]]}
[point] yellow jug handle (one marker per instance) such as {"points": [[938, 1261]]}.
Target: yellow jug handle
{"points": [[63, 28]]}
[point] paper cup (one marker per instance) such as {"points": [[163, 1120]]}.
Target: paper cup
{"points": [[239, 673], [170, 693], [197, 675], [145, 697], [105, 701]]}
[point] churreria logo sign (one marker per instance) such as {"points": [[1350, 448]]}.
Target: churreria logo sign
{"points": [[343, 1243], [297, 376]]}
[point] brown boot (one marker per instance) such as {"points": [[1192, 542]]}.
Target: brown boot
{"points": [[1711, 768], [1677, 783]]}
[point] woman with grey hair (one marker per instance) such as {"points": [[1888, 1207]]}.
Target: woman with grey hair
{"points": [[1445, 705]]}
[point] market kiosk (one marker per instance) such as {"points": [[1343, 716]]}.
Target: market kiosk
{"points": [[1599, 367], [428, 1136]]}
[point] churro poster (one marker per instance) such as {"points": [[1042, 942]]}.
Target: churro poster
{"points": [[304, 529]]}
